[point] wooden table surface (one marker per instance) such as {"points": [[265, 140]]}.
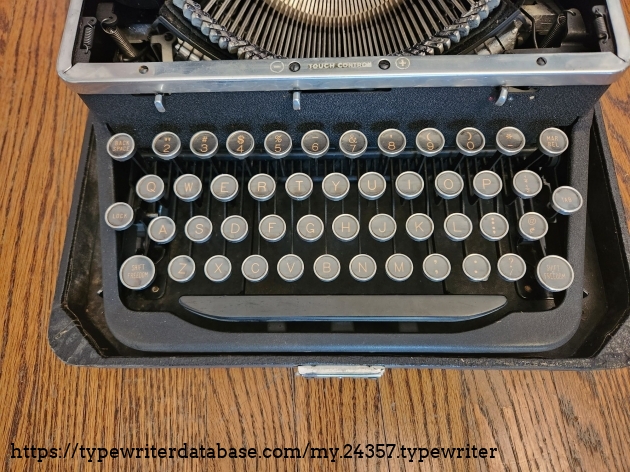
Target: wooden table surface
{"points": [[559, 421]]}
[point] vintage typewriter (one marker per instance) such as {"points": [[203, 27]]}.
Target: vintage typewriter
{"points": [[264, 179]]}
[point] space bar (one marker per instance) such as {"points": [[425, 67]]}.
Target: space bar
{"points": [[425, 308]]}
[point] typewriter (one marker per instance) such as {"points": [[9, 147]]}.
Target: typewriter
{"points": [[345, 178]]}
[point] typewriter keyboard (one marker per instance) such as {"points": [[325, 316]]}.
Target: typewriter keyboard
{"points": [[279, 230]]}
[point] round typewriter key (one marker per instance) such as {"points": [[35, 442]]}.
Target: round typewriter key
{"points": [[362, 268], [315, 143], [299, 186], [398, 267], [198, 229], [326, 268], [119, 216], [121, 147], [372, 185], [278, 144], [436, 267], [476, 267], [419, 227], [224, 187], [181, 269], [204, 144], [511, 267], [150, 188], [566, 200], [166, 145], [161, 229], [345, 227], [409, 185], [290, 268], [234, 228], [272, 228], [187, 187], [392, 142], [310, 228], [382, 227], [353, 143], [335, 186], [457, 226], [449, 184], [261, 187], [470, 141], [487, 184], [554, 273], [532, 226], [494, 226], [137, 272], [430, 142], [255, 268], [510, 141], [553, 142], [527, 184], [217, 268], [240, 144]]}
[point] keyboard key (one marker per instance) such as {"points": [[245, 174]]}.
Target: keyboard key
{"points": [[566, 200], [553, 142], [290, 268], [436, 267], [181, 269], [217, 268], [345, 227], [161, 229], [430, 142], [527, 184], [119, 216], [382, 227], [511, 267], [166, 145], [362, 268], [510, 141], [278, 144], [476, 267], [299, 186], [470, 141], [240, 144], [392, 142], [272, 228], [198, 229], [409, 185], [335, 186], [353, 144], [121, 147], [187, 187], [419, 227], [372, 185], [398, 267], [487, 184], [137, 272], [532, 226], [204, 144], [554, 273], [449, 184], [494, 226], [234, 228], [326, 268], [150, 188], [457, 226], [224, 187], [255, 268], [262, 187], [315, 143], [310, 228]]}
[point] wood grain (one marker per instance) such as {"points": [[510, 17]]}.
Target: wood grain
{"points": [[556, 421]]}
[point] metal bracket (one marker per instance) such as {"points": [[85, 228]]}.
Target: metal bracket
{"points": [[297, 96], [503, 95], [341, 371], [158, 102], [165, 41]]}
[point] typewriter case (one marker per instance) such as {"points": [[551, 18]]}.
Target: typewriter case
{"points": [[544, 88]]}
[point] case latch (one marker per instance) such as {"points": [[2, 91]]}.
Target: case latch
{"points": [[341, 371]]}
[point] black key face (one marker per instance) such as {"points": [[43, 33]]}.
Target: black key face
{"points": [[532, 226], [255, 268], [187, 187], [204, 144], [121, 147], [240, 144], [181, 269], [198, 229], [315, 143], [224, 187], [166, 145], [261, 187], [150, 188], [392, 142], [510, 141], [470, 141], [327, 268], [278, 144], [335, 186], [553, 142], [137, 272], [362, 268], [494, 226], [218, 268], [476, 267], [345, 227], [353, 143], [119, 216], [372, 185], [399, 267], [449, 184], [310, 228], [234, 228], [419, 227], [299, 186], [161, 229], [430, 142], [487, 184], [457, 226], [290, 268], [272, 228], [527, 184], [436, 267], [566, 200], [409, 185], [554, 273], [382, 227], [511, 267]]}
